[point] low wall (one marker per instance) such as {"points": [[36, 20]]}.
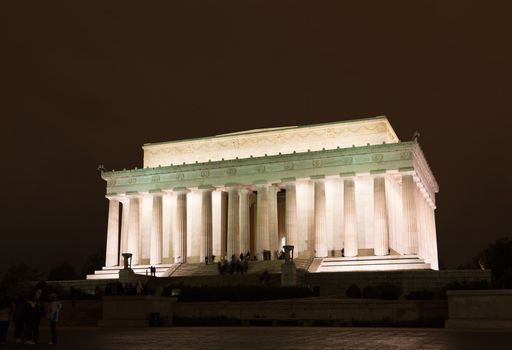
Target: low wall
{"points": [[87, 286], [480, 309], [316, 311], [80, 313], [134, 311], [335, 284]]}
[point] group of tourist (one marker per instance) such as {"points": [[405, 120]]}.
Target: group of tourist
{"points": [[26, 314], [237, 265]]}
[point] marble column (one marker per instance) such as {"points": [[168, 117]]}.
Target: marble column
{"points": [[146, 218], [409, 215], [112, 254], [334, 214], [125, 223], [205, 227], [291, 214], [273, 229], [133, 245], [167, 222], [179, 225], [219, 223], [233, 236], [351, 244], [262, 238], [381, 233], [155, 257], [303, 204], [245, 220], [431, 222], [320, 229]]}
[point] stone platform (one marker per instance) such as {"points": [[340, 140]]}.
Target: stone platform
{"points": [[112, 272], [368, 263]]}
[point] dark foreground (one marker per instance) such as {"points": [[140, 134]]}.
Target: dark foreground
{"points": [[249, 338]]}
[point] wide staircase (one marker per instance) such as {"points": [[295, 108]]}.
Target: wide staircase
{"points": [[255, 267], [112, 272], [368, 263]]}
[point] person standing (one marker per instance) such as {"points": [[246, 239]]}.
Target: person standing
{"points": [[19, 317], [33, 313], [53, 316], [5, 311]]}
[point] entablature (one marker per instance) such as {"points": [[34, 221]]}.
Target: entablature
{"points": [[274, 168]]}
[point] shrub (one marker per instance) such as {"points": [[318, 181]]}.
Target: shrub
{"points": [[420, 295], [371, 292], [390, 291], [353, 291], [465, 285], [384, 291]]}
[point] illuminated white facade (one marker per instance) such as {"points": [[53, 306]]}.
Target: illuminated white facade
{"points": [[347, 188]]}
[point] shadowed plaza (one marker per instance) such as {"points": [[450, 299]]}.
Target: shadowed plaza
{"points": [[275, 338]]}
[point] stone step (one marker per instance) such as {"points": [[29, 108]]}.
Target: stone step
{"points": [[370, 262], [137, 267], [106, 276], [370, 257], [112, 272], [383, 267], [196, 269]]}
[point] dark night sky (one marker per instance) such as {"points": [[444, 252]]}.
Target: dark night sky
{"points": [[84, 85]]}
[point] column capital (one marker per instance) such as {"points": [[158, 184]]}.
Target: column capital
{"points": [[261, 183], [407, 171], [349, 174], [317, 177], [180, 189], [288, 180], [133, 194], [231, 185], [378, 172], [205, 188], [115, 196], [245, 190], [273, 188]]}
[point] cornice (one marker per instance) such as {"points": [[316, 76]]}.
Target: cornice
{"points": [[266, 168]]}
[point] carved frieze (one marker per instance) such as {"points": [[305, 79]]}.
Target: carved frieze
{"points": [[405, 155], [377, 157], [317, 163], [205, 173], [288, 166], [261, 168]]}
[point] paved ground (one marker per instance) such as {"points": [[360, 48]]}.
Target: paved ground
{"points": [[275, 338]]}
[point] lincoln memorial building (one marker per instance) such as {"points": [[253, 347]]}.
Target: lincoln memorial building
{"points": [[348, 196]]}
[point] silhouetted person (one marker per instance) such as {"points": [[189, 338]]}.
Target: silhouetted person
{"points": [[53, 316], [97, 293], [19, 317], [139, 289], [5, 311], [72, 295], [265, 278], [33, 313]]}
